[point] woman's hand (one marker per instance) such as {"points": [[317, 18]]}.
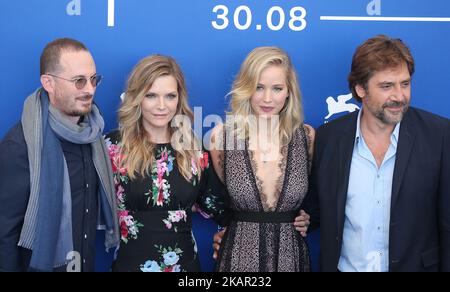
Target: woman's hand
{"points": [[217, 241]]}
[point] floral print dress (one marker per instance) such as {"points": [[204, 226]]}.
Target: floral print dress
{"points": [[155, 211]]}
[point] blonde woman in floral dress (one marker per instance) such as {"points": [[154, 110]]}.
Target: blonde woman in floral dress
{"points": [[159, 179]]}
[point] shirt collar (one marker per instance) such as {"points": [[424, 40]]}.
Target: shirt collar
{"points": [[394, 136]]}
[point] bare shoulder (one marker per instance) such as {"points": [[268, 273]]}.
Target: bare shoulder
{"points": [[310, 132], [217, 137], [310, 139]]}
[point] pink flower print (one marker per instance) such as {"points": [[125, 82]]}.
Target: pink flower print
{"points": [[175, 217], [120, 191], [194, 167], [204, 161], [123, 214], [180, 214], [168, 269], [123, 230], [123, 171], [160, 191], [164, 156], [160, 199]]}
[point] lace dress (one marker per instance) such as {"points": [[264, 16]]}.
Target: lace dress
{"points": [[261, 236]]}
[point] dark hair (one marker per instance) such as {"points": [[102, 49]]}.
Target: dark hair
{"points": [[377, 54], [52, 53]]}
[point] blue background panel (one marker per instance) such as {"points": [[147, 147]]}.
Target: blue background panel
{"points": [[210, 58]]}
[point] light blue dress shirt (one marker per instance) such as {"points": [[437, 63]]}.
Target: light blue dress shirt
{"points": [[365, 245]]}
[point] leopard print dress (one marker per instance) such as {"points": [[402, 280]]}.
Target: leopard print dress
{"points": [[265, 247]]}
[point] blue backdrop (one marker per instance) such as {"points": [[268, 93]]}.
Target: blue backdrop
{"points": [[210, 38]]}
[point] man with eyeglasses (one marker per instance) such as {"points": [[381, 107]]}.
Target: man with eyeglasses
{"points": [[56, 186]]}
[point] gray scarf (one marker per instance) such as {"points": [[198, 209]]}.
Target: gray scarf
{"points": [[89, 132]]}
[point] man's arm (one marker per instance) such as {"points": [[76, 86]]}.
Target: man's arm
{"points": [[14, 194], [311, 202], [444, 204]]}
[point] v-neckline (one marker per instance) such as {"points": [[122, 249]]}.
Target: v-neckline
{"points": [[254, 177]]}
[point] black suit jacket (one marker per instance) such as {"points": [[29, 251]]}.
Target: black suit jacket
{"points": [[15, 191], [419, 237]]}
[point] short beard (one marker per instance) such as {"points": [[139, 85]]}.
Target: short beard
{"points": [[388, 120], [77, 114], [81, 113]]}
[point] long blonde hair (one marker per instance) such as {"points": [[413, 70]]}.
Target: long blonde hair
{"points": [[244, 86], [137, 149]]}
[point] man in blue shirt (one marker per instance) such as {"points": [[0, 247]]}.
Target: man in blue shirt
{"points": [[380, 184]]}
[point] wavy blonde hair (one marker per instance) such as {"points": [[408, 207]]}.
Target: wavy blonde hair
{"points": [[137, 149], [244, 86]]}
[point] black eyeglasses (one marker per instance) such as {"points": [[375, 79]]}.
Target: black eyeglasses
{"points": [[80, 82]]}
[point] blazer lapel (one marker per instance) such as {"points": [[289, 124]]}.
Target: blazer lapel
{"points": [[404, 149], [345, 152]]}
